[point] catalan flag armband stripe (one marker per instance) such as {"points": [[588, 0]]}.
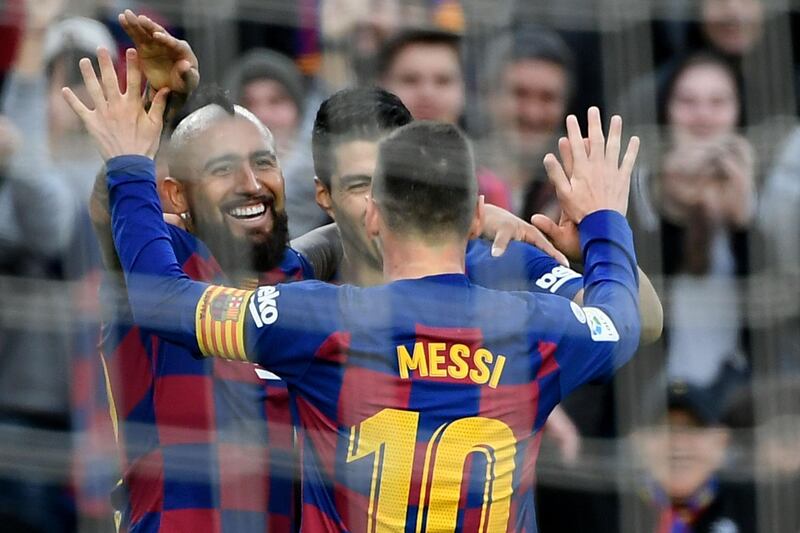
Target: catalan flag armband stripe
{"points": [[219, 321]]}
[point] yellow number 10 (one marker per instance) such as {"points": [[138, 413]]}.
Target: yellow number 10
{"points": [[390, 437]]}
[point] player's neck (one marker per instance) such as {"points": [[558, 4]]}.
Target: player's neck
{"points": [[411, 258], [354, 271]]}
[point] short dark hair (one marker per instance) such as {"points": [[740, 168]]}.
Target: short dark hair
{"points": [[532, 43], [687, 62], [204, 95], [364, 113], [425, 181], [392, 48], [536, 42]]}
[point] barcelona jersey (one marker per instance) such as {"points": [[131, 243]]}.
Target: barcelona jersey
{"points": [[521, 268], [420, 401], [204, 445]]}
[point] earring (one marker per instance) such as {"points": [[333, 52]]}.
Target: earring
{"points": [[185, 216]]}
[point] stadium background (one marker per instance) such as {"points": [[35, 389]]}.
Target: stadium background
{"points": [[616, 47]]}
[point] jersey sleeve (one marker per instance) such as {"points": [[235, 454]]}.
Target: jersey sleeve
{"points": [[280, 327], [522, 267], [162, 298], [601, 336], [275, 326]]}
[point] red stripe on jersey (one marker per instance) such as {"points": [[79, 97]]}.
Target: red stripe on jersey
{"points": [[321, 431], [515, 405], [145, 481], [276, 406], [335, 347], [549, 362], [315, 521], [236, 371], [353, 508], [130, 368], [206, 520], [185, 410], [243, 472], [470, 337], [197, 267], [360, 385]]}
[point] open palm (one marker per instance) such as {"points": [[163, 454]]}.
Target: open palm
{"points": [[165, 60]]}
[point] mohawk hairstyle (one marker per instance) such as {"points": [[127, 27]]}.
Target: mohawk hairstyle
{"points": [[201, 97]]}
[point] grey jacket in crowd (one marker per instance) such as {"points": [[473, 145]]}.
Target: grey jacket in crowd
{"points": [[37, 218]]}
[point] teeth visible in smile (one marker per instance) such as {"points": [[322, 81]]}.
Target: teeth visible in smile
{"points": [[248, 211]]}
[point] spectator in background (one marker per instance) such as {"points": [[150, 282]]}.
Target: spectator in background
{"points": [[64, 44], [37, 230], [769, 412], [701, 100], [682, 453], [734, 30], [59, 297], [733, 27], [778, 221], [270, 85], [693, 220], [529, 102], [423, 68], [354, 31]]}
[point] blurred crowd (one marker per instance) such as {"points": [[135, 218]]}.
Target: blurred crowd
{"points": [[699, 432]]}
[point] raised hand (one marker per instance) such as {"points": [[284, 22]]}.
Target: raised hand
{"points": [[165, 60], [503, 227], [597, 180], [118, 123]]}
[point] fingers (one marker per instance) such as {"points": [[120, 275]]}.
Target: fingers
{"points": [[75, 104], [538, 238], [500, 243], [614, 140], [188, 73], [149, 25], [630, 157], [575, 138], [130, 23], [556, 174], [133, 74], [565, 151], [544, 224], [596, 140], [91, 83], [156, 112], [108, 75], [167, 40]]}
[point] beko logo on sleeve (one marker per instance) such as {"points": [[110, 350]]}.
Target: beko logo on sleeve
{"points": [[264, 306], [600, 325], [557, 277]]}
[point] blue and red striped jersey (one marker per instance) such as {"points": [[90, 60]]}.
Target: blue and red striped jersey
{"points": [[205, 445], [521, 268], [421, 400]]}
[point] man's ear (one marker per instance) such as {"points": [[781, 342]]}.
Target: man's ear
{"points": [[372, 218], [476, 228], [174, 197], [323, 197]]}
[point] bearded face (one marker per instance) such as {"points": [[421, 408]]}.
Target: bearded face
{"points": [[236, 195]]}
